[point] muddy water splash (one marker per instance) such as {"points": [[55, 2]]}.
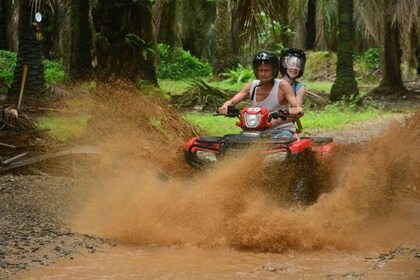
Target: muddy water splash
{"points": [[224, 206]]}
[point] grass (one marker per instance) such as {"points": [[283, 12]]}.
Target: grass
{"points": [[318, 86], [339, 117], [215, 126], [64, 128], [332, 117], [174, 87]]}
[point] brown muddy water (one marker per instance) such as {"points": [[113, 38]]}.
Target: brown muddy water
{"points": [[218, 224]]}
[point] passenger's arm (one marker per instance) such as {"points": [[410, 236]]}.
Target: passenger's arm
{"points": [[300, 95], [286, 90]]}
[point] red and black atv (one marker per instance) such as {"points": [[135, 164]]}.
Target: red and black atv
{"points": [[298, 158]]}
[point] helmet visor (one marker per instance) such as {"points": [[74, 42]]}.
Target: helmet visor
{"points": [[292, 62]]}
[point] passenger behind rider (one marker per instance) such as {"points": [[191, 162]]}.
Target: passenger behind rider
{"points": [[292, 66], [270, 92]]}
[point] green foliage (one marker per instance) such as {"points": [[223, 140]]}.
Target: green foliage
{"points": [[176, 64], [53, 71], [239, 75], [271, 36], [7, 66], [319, 65], [372, 58], [366, 66]]}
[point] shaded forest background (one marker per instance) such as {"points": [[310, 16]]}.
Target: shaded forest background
{"points": [[99, 39]]}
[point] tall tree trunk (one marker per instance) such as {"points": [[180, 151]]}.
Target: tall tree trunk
{"points": [[417, 54], [415, 46], [311, 25], [222, 51], [4, 14], [345, 83], [8, 26], [125, 41], [29, 53], [79, 66], [391, 82], [148, 60], [300, 29]]}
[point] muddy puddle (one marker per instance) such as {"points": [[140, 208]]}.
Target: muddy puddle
{"points": [[218, 224], [198, 263]]}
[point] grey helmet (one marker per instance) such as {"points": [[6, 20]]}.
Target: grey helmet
{"points": [[293, 58]]}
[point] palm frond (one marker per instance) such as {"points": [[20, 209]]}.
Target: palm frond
{"points": [[249, 16]]}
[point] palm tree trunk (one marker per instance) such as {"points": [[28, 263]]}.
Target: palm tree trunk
{"points": [[147, 60], [345, 83], [222, 51], [391, 82], [4, 14], [391, 76], [126, 47], [79, 63], [29, 53], [311, 25]]}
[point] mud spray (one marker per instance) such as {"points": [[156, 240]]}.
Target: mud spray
{"points": [[140, 200]]}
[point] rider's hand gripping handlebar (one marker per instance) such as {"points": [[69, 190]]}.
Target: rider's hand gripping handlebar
{"points": [[283, 114], [232, 111]]}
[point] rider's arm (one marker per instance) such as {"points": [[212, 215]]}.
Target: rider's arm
{"points": [[240, 96], [300, 95], [286, 89]]}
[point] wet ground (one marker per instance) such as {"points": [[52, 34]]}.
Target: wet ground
{"points": [[198, 263]]}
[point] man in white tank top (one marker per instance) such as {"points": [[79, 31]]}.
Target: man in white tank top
{"points": [[269, 92]]}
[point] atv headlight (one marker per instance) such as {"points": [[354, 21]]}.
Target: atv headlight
{"points": [[276, 157], [206, 156], [252, 121]]}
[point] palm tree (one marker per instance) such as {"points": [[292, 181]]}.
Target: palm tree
{"points": [[314, 23], [184, 23], [222, 52], [76, 38], [249, 15], [4, 14], [345, 82], [390, 22], [191, 24], [29, 53], [124, 42]]}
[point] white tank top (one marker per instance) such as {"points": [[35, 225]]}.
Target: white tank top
{"points": [[271, 103]]}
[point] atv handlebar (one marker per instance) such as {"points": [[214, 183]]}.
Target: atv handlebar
{"points": [[232, 112], [282, 114]]}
